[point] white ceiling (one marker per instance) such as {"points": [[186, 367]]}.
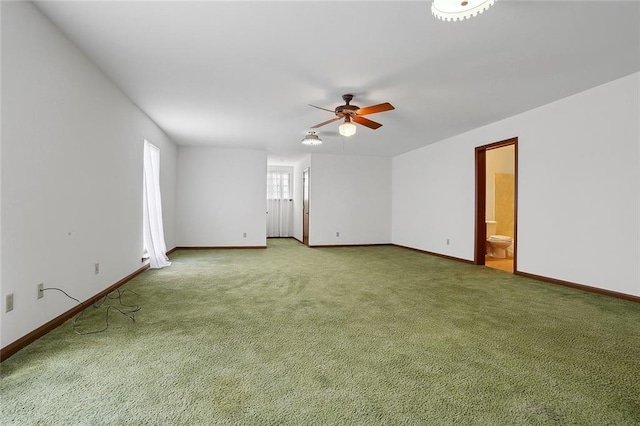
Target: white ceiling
{"points": [[240, 74]]}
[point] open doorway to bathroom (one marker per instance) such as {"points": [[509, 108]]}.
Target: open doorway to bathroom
{"points": [[496, 205]]}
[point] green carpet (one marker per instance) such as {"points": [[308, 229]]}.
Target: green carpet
{"points": [[352, 335]]}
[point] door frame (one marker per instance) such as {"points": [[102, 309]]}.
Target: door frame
{"points": [[306, 174], [481, 201]]}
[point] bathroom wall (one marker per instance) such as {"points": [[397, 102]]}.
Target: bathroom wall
{"points": [[499, 160], [504, 188]]}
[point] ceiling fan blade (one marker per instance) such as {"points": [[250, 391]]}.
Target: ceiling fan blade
{"points": [[375, 108], [324, 109], [326, 122], [366, 122]]}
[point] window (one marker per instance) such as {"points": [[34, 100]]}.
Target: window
{"points": [[278, 186]]}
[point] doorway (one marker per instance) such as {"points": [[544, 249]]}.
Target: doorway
{"points": [[305, 206], [496, 205], [279, 202]]}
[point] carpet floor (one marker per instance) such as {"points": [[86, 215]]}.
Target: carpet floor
{"points": [[348, 335]]}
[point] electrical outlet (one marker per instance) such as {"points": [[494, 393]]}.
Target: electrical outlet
{"points": [[96, 268], [9, 303], [447, 241], [244, 235], [337, 234], [40, 290]]}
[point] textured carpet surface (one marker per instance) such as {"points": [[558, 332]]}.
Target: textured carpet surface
{"points": [[353, 335]]}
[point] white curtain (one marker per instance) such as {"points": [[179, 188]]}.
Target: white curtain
{"points": [[279, 205], [153, 229], [279, 217]]}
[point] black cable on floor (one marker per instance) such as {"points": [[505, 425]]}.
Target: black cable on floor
{"points": [[129, 313]]}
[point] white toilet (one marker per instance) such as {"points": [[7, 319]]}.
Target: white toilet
{"points": [[497, 245]]}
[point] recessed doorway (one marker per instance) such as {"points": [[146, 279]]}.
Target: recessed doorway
{"points": [[496, 205]]}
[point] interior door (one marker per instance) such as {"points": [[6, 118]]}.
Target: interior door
{"points": [[305, 206]]}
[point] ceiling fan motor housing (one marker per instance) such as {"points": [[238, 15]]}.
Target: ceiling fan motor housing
{"points": [[347, 109], [344, 110]]}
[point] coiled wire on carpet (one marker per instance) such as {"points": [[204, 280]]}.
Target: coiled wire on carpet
{"points": [[129, 313]]}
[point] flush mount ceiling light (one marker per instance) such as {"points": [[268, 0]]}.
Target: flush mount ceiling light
{"points": [[457, 10], [312, 138]]}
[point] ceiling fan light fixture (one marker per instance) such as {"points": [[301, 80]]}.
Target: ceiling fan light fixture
{"points": [[347, 129], [458, 10], [312, 138], [350, 113]]}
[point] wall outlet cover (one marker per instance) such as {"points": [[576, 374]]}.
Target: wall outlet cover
{"points": [[40, 290]]}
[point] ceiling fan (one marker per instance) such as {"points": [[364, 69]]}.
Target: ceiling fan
{"points": [[353, 113]]}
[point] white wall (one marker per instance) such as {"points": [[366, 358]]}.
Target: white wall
{"points": [[72, 146], [221, 195], [352, 196], [433, 199], [578, 181]]}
